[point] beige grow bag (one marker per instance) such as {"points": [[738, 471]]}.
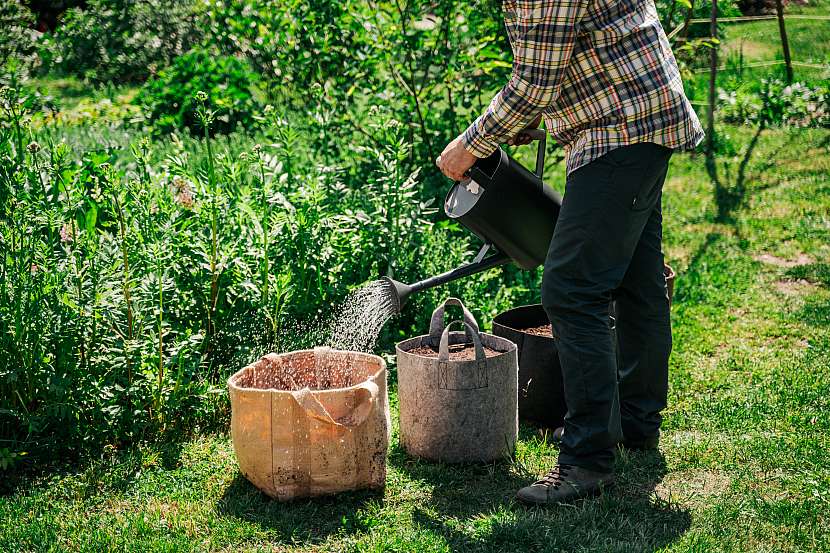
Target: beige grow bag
{"points": [[311, 422], [457, 410]]}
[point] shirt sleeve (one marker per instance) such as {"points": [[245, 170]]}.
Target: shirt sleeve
{"points": [[544, 38]]}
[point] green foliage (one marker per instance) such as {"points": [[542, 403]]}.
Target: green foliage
{"points": [[777, 103], [133, 281], [169, 100], [744, 439], [674, 13], [121, 40], [296, 43], [135, 275], [693, 44], [431, 66], [18, 39], [48, 12], [758, 7]]}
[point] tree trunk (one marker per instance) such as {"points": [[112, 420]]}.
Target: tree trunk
{"points": [[785, 45], [713, 73], [684, 32]]}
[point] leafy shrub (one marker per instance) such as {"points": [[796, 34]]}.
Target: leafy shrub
{"points": [[757, 7], [18, 39], [121, 40], [297, 41], [431, 65], [169, 99], [134, 282], [777, 103]]}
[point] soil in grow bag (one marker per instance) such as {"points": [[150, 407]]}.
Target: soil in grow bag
{"points": [[458, 352], [321, 371], [311, 422], [544, 330], [458, 405]]}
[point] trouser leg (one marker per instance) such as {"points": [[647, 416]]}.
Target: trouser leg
{"points": [[644, 335], [606, 206]]}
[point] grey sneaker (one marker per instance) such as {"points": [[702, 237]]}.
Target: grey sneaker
{"points": [[565, 483]]}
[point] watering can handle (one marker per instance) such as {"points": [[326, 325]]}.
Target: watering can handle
{"points": [[444, 347], [436, 323], [541, 135]]}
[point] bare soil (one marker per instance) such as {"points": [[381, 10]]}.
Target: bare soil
{"points": [[458, 352], [796, 287], [769, 259], [298, 372], [544, 330]]}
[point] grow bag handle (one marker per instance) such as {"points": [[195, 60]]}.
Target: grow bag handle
{"points": [[365, 395], [436, 323], [444, 347]]}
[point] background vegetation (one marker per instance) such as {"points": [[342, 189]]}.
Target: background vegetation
{"points": [[184, 185]]}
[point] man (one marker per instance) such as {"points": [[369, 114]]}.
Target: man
{"points": [[602, 76]]}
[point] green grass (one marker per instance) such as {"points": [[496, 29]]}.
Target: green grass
{"points": [[760, 41], [744, 463]]}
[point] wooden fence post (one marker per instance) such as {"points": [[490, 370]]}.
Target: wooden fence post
{"points": [[713, 73], [785, 45]]}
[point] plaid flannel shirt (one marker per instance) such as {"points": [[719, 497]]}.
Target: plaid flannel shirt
{"points": [[600, 72]]}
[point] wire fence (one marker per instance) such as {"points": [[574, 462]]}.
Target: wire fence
{"points": [[715, 67], [743, 19], [770, 63], [751, 18]]}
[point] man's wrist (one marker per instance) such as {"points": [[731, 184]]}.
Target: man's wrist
{"points": [[475, 143]]}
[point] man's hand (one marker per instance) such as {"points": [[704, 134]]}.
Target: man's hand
{"points": [[523, 138], [455, 160]]}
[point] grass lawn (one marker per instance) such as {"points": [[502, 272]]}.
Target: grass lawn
{"points": [[744, 463], [759, 42]]}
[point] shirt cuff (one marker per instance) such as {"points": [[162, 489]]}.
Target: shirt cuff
{"points": [[475, 143]]}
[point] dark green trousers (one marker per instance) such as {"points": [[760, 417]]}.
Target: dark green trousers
{"points": [[607, 246]]}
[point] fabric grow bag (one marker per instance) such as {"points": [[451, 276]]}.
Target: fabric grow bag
{"points": [[457, 410], [311, 422]]}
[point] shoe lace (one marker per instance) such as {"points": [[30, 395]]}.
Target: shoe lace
{"points": [[556, 476]]}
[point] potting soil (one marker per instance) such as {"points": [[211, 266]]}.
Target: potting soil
{"points": [[544, 330], [323, 369], [458, 352]]}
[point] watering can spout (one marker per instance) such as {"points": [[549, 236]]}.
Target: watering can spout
{"points": [[397, 292]]}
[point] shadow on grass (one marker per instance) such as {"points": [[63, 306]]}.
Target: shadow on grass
{"points": [[96, 469], [303, 520], [473, 509], [813, 272], [731, 195], [815, 312]]}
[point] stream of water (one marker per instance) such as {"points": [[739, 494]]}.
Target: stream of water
{"points": [[352, 325], [357, 322]]}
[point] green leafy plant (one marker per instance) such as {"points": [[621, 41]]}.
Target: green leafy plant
{"points": [[121, 40], [169, 101], [777, 103], [18, 42]]}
